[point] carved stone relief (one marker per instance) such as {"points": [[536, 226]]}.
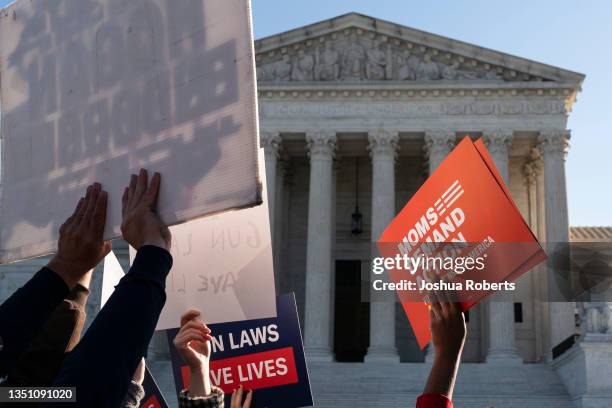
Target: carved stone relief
{"points": [[350, 56]]}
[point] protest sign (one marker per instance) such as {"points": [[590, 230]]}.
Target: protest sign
{"points": [[265, 355], [93, 90], [113, 272], [153, 397], [463, 210], [222, 264]]}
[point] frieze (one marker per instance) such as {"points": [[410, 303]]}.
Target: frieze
{"points": [[356, 55], [271, 109]]}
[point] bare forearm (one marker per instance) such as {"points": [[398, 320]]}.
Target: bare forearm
{"points": [[442, 376], [199, 383]]}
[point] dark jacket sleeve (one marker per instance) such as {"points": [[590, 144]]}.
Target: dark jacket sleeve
{"points": [[102, 364], [23, 314], [41, 361]]}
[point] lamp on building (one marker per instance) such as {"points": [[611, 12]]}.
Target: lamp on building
{"points": [[356, 217]]}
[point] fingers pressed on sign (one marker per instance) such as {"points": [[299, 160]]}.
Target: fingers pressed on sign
{"points": [[248, 399], [233, 403], [71, 219], [91, 205], [124, 201], [435, 307], [153, 191], [99, 215], [141, 185], [239, 395], [81, 211], [131, 189]]}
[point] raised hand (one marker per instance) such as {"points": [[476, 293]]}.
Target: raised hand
{"points": [[237, 398], [447, 326], [193, 340], [448, 336], [193, 344], [141, 225], [81, 245]]}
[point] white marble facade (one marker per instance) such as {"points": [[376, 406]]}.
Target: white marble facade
{"points": [[355, 95], [396, 100]]}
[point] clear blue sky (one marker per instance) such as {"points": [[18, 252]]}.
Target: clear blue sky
{"points": [[566, 33]]}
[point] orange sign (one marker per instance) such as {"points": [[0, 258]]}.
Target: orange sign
{"points": [[464, 204]]}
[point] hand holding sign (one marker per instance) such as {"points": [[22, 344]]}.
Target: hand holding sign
{"points": [[237, 398], [448, 335], [193, 344], [141, 225], [80, 245], [448, 328]]}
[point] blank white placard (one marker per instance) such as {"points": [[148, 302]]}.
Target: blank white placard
{"points": [[92, 90]]}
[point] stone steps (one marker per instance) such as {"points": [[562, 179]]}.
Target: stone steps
{"points": [[352, 385]]}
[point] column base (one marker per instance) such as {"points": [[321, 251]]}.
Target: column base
{"points": [[319, 354], [586, 369], [381, 354], [504, 357]]}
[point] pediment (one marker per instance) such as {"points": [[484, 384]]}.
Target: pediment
{"points": [[357, 48]]}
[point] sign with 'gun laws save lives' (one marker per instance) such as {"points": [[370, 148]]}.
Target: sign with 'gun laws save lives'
{"points": [[265, 355], [461, 227]]}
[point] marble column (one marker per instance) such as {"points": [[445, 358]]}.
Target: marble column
{"points": [[271, 143], [438, 144], [502, 337], [317, 325], [383, 147], [532, 172], [553, 145]]}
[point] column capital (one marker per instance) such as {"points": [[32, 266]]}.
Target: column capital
{"points": [[321, 143], [383, 142], [498, 140], [270, 141], [531, 171], [439, 141], [554, 141]]}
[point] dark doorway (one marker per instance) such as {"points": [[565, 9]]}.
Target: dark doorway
{"points": [[352, 318]]}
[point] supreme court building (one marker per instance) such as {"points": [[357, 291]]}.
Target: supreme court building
{"points": [[355, 112]]}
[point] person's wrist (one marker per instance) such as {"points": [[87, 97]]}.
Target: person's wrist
{"points": [[69, 273], [157, 241], [199, 368], [450, 356]]}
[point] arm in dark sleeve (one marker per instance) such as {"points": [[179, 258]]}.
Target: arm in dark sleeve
{"points": [[102, 364], [41, 361], [23, 314]]}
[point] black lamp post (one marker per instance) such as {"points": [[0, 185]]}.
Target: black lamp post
{"points": [[356, 217]]}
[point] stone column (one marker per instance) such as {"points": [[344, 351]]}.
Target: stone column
{"points": [[532, 175], [502, 337], [271, 143], [383, 149], [553, 146], [317, 327], [438, 144]]}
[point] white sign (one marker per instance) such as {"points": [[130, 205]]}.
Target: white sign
{"points": [[93, 90], [222, 267], [113, 272]]}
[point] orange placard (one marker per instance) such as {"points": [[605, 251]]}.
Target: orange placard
{"points": [[464, 201]]}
